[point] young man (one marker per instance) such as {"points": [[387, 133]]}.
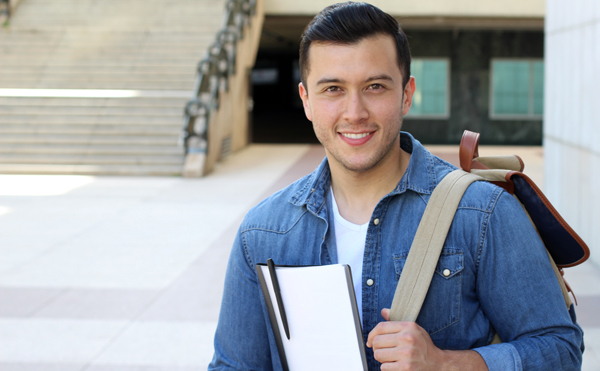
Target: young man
{"points": [[362, 206]]}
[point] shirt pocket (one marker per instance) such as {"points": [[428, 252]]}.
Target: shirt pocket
{"points": [[441, 307]]}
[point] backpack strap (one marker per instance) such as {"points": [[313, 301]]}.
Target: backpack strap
{"points": [[427, 245], [468, 154]]}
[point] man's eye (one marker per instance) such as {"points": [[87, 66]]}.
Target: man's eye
{"points": [[375, 86], [332, 88]]}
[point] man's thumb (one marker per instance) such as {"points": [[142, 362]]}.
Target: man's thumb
{"points": [[385, 313]]}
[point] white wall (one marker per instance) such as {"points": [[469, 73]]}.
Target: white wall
{"points": [[449, 8], [572, 115]]}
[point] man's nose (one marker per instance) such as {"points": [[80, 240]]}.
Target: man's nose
{"points": [[356, 108]]}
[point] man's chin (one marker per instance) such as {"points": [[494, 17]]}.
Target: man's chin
{"points": [[359, 166]]}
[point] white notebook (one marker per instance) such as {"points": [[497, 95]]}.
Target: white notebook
{"points": [[324, 325]]}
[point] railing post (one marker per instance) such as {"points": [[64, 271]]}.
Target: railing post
{"points": [[216, 118]]}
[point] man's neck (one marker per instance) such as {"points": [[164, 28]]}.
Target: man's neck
{"points": [[357, 193]]}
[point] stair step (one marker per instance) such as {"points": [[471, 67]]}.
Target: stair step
{"points": [[118, 52], [177, 56], [8, 77], [90, 159], [166, 113], [86, 120], [122, 122], [97, 62], [148, 39], [134, 150], [165, 140], [38, 25], [138, 170], [152, 130], [35, 66], [115, 85], [171, 103]]}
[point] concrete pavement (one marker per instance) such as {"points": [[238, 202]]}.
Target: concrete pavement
{"points": [[125, 273]]}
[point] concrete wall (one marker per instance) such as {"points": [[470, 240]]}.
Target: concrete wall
{"points": [[571, 120], [471, 8]]}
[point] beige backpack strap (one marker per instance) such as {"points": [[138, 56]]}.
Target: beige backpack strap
{"points": [[427, 245], [512, 162]]}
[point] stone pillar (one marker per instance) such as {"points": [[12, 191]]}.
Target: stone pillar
{"points": [[572, 115]]}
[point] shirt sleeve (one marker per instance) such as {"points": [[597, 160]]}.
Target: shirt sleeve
{"points": [[521, 297], [241, 339]]}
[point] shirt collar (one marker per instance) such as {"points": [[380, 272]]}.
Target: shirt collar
{"points": [[419, 176]]}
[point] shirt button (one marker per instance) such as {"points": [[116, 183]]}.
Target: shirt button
{"points": [[370, 282], [446, 272], [376, 221]]}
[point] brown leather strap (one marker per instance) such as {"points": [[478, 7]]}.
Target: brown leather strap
{"points": [[567, 286], [469, 149]]}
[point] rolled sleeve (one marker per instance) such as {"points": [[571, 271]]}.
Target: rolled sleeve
{"points": [[501, 357]]}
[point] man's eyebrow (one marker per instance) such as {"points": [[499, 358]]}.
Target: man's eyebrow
{"points": [[330, 80], [379, 77], [333, 80]]}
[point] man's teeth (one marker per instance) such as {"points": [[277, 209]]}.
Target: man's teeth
{"points": [[355, 136]]}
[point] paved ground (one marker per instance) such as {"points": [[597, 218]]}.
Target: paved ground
{"points": [[123, 273]]}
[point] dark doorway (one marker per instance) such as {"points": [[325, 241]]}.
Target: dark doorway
{"points": [[278, 116]]}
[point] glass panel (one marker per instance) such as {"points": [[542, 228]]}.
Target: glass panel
{"points": [[538, 88], [431, 94], [511, 87], [435, 87]]}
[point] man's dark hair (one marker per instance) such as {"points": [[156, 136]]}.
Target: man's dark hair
{"points": [[349, 23]]}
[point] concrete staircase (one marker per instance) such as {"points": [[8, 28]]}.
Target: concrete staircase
{"points": [[133, 65]]}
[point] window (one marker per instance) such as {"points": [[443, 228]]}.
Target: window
{"points": [[517, 89], [431, 99]]}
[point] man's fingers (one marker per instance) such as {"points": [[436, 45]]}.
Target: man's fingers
{"points": [[396, 339], [383, 328], [385, 355], [385, 313], [391, 348], [402, 346], [401, 329], [391, 366], [385, 341], [399, 354]]}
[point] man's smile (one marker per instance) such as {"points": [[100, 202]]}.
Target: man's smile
{"points": [[356, 136]]}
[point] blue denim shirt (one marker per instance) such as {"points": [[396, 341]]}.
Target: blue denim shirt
{"points": [[500, 277]]}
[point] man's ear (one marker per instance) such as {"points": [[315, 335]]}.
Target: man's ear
{"points": [[304, 96], [409, 91]]}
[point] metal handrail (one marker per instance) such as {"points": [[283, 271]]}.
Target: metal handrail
{"points": [[5, 9], [213, 74]]}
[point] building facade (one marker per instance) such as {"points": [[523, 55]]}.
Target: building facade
{"points": [[478, 65], [571, 124]]}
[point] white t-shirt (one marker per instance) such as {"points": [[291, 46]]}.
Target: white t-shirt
{"points": [[350, 240]]}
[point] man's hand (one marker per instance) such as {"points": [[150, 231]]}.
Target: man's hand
{"points": [[407, 346]]}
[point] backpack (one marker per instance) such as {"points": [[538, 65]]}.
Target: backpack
{"points": [[565, 248]]}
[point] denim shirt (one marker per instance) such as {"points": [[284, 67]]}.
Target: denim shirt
{"points": [[500, 277]]}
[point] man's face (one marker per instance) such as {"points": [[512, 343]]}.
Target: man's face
{"points": [[356, 101]]}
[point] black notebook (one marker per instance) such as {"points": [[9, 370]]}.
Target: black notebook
{"points": [[324, 324]]}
